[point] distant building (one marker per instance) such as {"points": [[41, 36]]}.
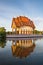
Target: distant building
{"points": [[22, 25]]}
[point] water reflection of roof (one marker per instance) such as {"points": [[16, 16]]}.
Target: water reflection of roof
{"points": [[22, 52]]}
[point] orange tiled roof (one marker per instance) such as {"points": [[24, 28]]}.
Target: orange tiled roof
{"points": [[23, 21]]}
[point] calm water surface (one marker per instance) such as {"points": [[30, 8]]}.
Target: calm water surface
{"points": [[21, 52]]}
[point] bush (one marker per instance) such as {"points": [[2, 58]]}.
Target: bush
{"points": [[2, 33]]}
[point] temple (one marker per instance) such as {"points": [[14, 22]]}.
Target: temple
{"points": [[22, 25]]}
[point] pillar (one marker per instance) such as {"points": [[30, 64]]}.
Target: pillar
{"points": [[12, 29], [27, 32]]}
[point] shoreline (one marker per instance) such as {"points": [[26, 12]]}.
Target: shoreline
{"points": [[23, 36]]}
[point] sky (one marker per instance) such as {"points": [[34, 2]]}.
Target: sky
{"points": [[32, 9]]}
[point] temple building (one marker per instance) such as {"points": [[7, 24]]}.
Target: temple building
{"points": [[22, 25]]}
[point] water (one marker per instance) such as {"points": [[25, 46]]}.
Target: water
{"points": [[21, 52]]}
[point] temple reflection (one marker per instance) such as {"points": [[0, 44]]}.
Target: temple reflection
{"points": [[22, 48]]}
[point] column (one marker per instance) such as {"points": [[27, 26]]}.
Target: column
{"points": [[12, 29], [19, 31], [22, 31], [27, 32]]}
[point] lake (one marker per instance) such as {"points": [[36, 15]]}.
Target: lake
{"points": [[21, 52]]}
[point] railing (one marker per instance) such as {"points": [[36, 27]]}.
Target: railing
{"points": [[23, 36]]}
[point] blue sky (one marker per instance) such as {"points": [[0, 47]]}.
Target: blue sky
{"points": [[32, 9]]}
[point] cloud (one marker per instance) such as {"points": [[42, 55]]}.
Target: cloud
{"points": [[38, 19]]}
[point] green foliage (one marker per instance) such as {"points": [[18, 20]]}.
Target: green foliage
{"points": [[2, 32], [37, 32], [2, 29]]}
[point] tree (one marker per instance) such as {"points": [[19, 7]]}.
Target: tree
{"points": [[2, 32]]}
